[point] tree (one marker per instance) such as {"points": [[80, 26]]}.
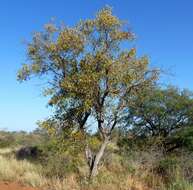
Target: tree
{"points": [[165, 113], [88, 75]]}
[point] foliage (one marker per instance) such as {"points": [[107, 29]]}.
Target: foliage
{"points": [[163, 113], [122, 169], [6, 139], [167, 166], [182, 138], [89, 75], [21, 138], [86, 68], [59, 165]]}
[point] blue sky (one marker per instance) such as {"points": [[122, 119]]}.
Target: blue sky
{"points": [[164, 30]]}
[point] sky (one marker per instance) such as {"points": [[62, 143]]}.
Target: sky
{"points": [[164, 30]]}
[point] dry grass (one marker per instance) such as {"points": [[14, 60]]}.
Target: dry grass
{"points": [[20, 171], [30, 174], [5, 151], [113, 176], [27, 173], [68, 183]]}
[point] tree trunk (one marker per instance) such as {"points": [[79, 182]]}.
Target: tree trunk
{"points": [[97, 159]]}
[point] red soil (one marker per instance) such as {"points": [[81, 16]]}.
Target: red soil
{"points": [[14, 186]]}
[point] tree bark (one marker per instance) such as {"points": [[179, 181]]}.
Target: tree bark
{"points": [[97, 158]]}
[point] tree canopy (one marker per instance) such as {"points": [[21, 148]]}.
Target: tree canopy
{"points": [[89, 74], [165, 113]]}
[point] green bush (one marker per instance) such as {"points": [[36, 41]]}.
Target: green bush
{"points": [[182, 139], [59, 166], [59, 160], [167, 166]]}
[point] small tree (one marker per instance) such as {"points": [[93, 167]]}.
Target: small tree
{"points": [[165, 113], [89, 74]]}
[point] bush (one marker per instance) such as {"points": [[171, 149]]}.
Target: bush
{"points": [[167, 166], [58, 161], [27, 152], [181, 139], [6, 140], [59, 166]]}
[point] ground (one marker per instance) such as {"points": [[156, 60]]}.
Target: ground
{"points": [[14, 186]]}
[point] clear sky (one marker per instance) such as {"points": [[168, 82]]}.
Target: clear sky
{"points": [[164, 30]]}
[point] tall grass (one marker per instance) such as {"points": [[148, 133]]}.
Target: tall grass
{"points": [[20, 171], [137, 172], [31, 174]]}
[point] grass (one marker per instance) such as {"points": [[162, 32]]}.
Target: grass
{"points": [[117, 174], [30, 174], [20, 171]]}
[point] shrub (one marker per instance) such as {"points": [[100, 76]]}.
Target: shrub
{"points": [[27, 152], [59, 166], [167, 166]]}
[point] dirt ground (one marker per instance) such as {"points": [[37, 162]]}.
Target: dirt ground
{"points": [[14, 186]]}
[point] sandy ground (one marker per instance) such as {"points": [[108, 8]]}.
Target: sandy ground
{"points": [[14, 186]]}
